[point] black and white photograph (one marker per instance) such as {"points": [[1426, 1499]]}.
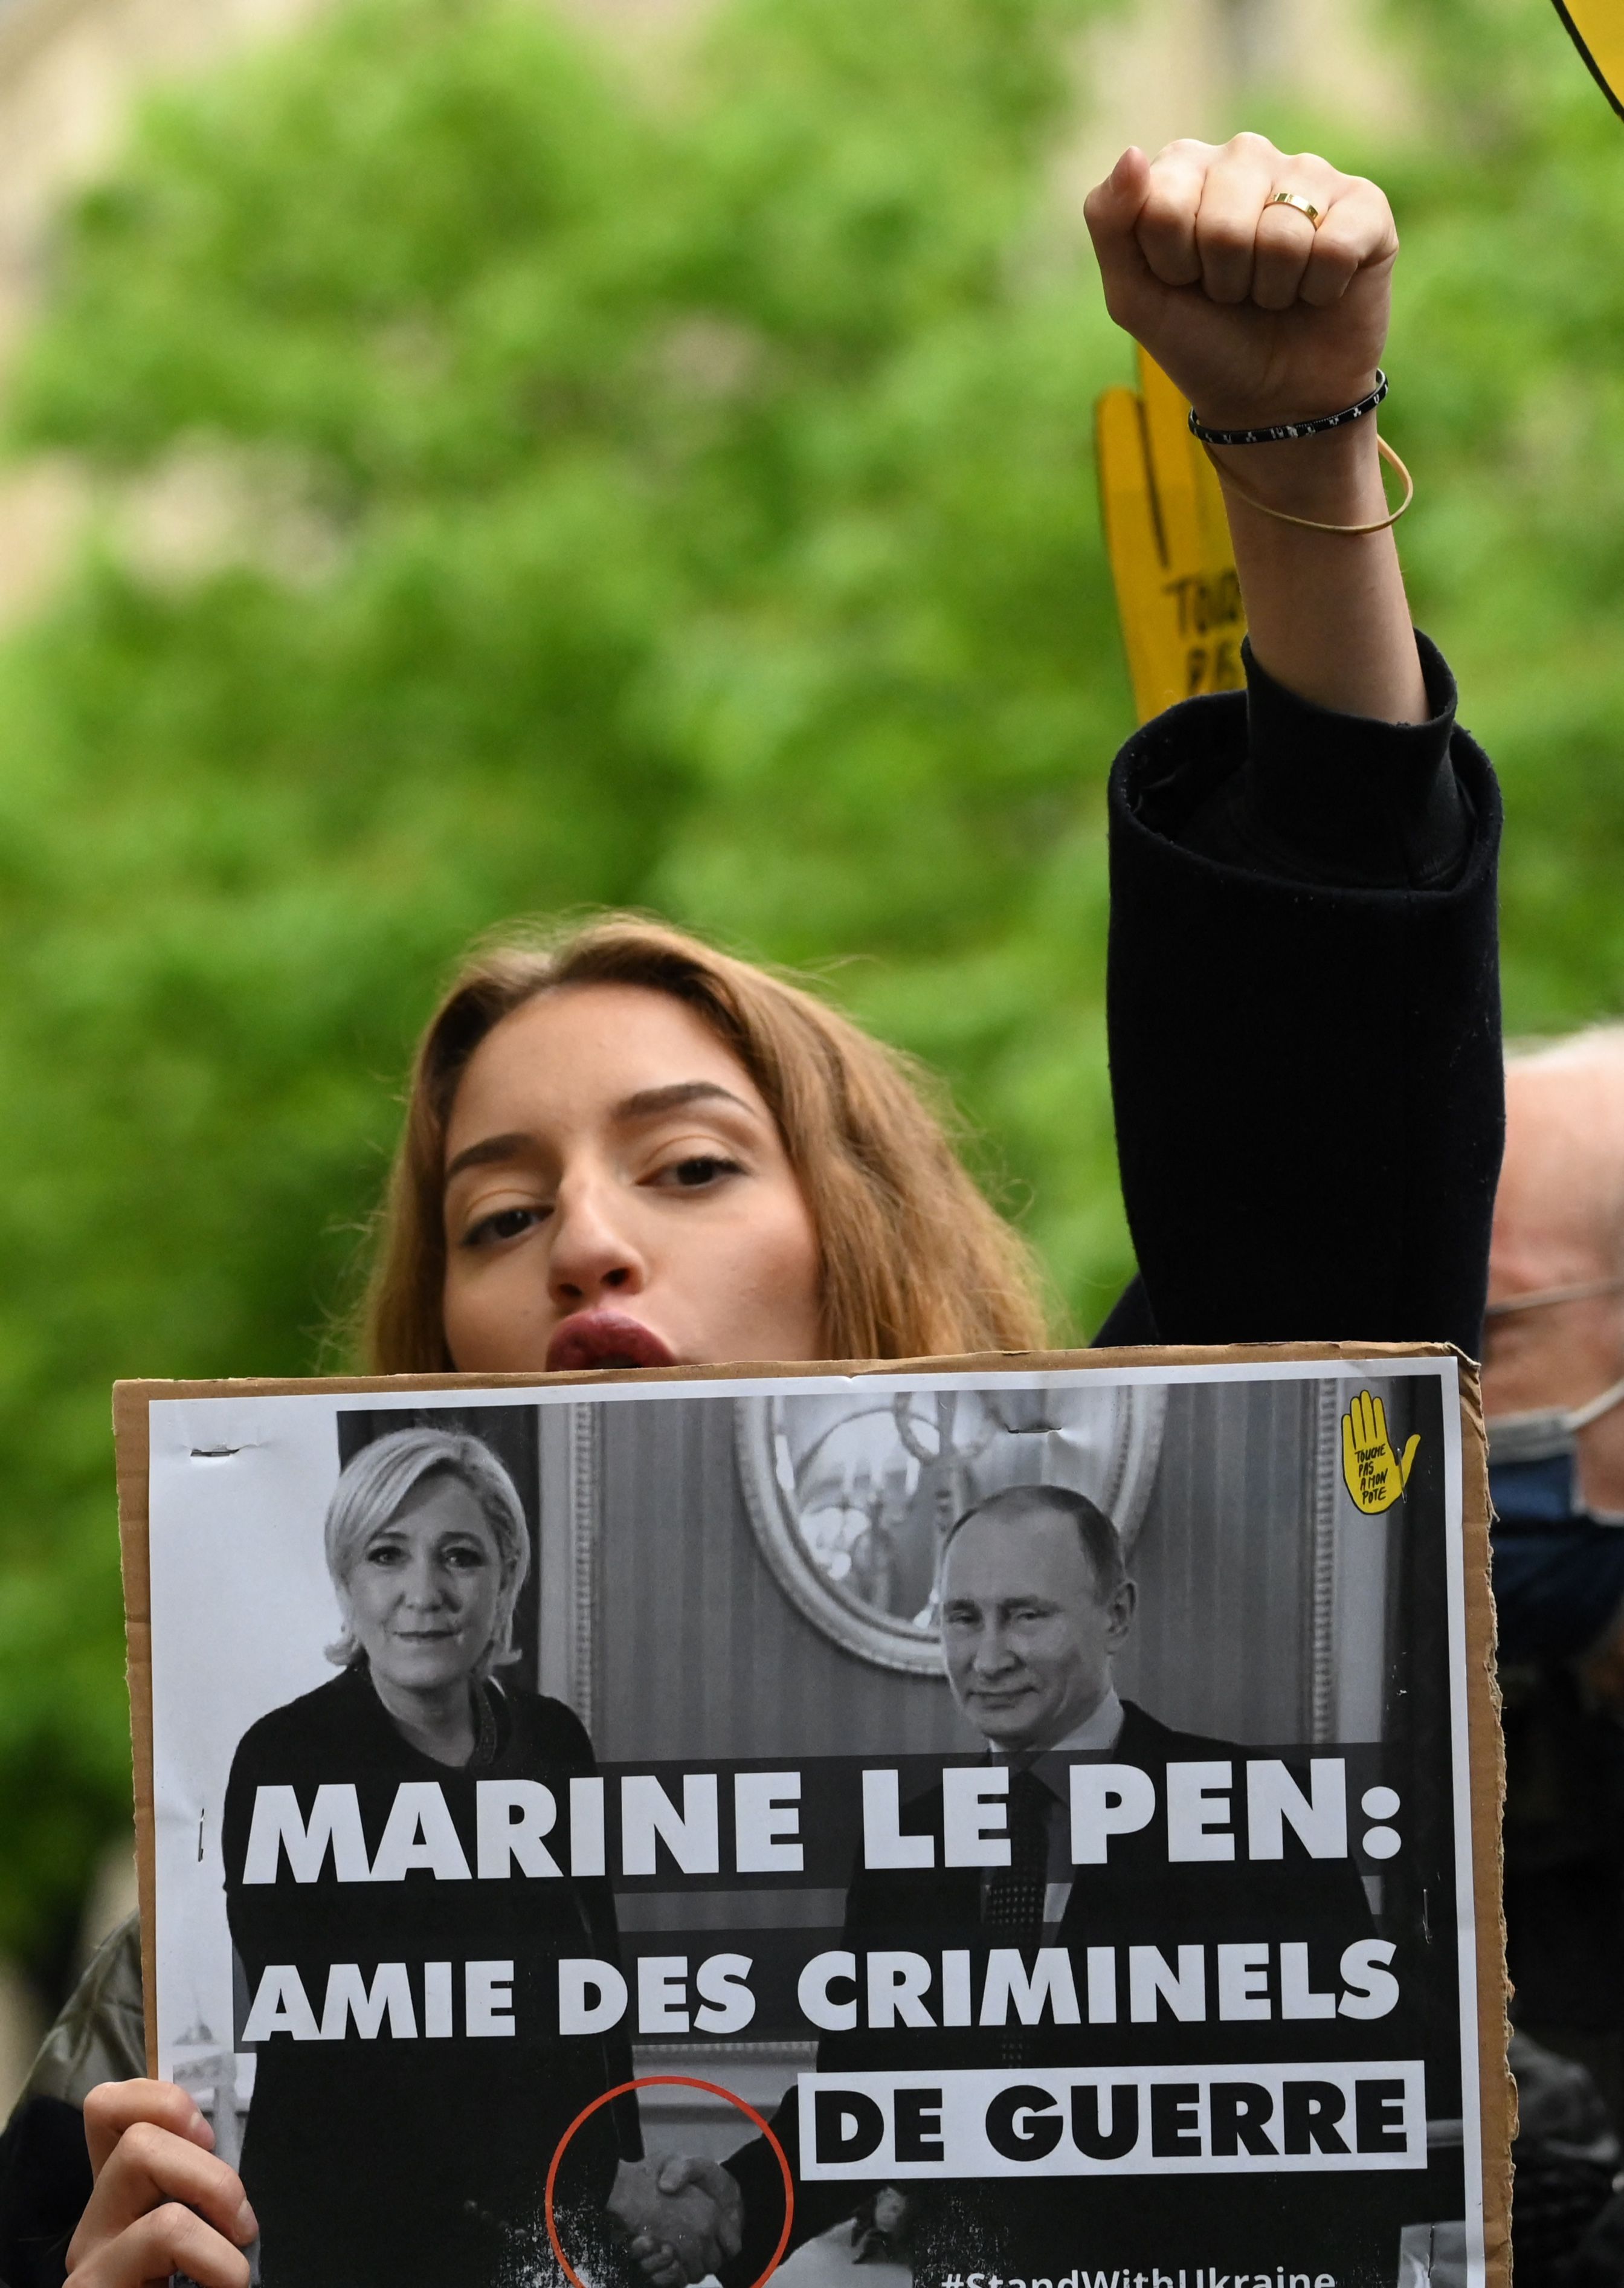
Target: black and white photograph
{"points": [[1041, 1799]]}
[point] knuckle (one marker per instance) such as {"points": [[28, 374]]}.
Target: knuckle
{"points": [[144, 2142], [113, 2106], [1250, 145], [1164, 220], [1225, 238], [1163, 199]]}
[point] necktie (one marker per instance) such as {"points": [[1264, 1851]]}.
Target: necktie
{"points": [[1016, 1894]]}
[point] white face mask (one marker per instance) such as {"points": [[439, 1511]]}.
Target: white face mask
{"points": [[1547, 1434]]}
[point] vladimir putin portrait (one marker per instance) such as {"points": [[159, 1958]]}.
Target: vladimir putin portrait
{"points": [[1036, 1605]]}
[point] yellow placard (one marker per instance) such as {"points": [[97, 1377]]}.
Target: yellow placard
{"points": [[1597, 29], [1171, 558]]}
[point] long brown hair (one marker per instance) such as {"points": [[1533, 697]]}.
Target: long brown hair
{"points": [[915, 1261]]}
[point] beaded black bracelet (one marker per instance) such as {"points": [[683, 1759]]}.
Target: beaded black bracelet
{"points": [[1283, 430]]}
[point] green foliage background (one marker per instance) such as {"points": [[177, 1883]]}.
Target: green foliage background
{"points": [[671, 490]]}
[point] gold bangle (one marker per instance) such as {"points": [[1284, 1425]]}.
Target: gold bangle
{"points": [[1312, 524]]}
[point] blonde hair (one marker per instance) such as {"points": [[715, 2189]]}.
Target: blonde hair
{"points": [[914, 1262], [372, 1489]]}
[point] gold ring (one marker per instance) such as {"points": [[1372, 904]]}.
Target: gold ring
{"points": [[1295, 199]]}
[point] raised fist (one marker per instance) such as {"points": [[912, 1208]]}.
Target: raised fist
{"points": [[1257, 313]]}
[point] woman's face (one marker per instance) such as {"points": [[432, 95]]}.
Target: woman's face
{"points": [[617, 1193], [423, 1592]]}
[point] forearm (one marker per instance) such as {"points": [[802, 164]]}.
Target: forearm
{"points": [[1327, 611]]}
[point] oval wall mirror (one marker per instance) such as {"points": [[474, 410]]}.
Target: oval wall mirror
{"points": [[853, 1494]]}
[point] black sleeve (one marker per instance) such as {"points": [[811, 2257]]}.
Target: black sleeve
{"points": [[1304, 1011], [44, 2184]]}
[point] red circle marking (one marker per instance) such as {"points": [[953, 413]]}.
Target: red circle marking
{"points": [[670, 2081]]}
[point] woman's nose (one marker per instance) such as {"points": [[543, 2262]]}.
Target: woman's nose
{"points": [[592, 1259], [423, 1583]]}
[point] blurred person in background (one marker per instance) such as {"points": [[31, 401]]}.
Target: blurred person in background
{"points": [[1553, 1390], [629, 1150]]}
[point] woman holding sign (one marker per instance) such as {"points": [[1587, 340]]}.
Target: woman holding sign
{"points": [[408, 1969], [627, 1150]]}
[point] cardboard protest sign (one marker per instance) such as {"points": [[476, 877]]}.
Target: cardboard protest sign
{"points": [[1030, 1820]]}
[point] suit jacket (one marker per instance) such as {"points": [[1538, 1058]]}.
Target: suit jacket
{"points": [[383, 2162], [1136, 1898]]}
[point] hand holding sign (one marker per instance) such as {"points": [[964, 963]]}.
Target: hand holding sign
{"points": [[1374, 1472], [163, 2205]]}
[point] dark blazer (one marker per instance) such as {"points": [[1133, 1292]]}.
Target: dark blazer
{"points": [[1137, 1898], [379, 2163]]}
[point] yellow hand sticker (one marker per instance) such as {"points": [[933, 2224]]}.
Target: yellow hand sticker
{"points": [[1171, 557], [1372, 1473]]}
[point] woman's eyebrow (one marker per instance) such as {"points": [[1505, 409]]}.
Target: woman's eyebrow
{"points": [[642, 1104], [488, 1149], [645, 1102]]}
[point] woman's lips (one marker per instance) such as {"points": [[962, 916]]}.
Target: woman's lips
{"points": [[604, 1339]]}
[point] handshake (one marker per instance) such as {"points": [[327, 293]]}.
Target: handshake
{"points": [[682, 2218]]}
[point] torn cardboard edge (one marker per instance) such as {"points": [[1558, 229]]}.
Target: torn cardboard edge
{"points": [[1486, 1758]]}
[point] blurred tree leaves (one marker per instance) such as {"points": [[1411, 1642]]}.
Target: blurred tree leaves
{"points": [[1510, 343], [523, 484], [518, 490]]}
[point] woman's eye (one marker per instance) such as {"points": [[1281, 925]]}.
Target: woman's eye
{"points": [[463, 1561], [700, 1169], [507, 1223], [383, 1552]]}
